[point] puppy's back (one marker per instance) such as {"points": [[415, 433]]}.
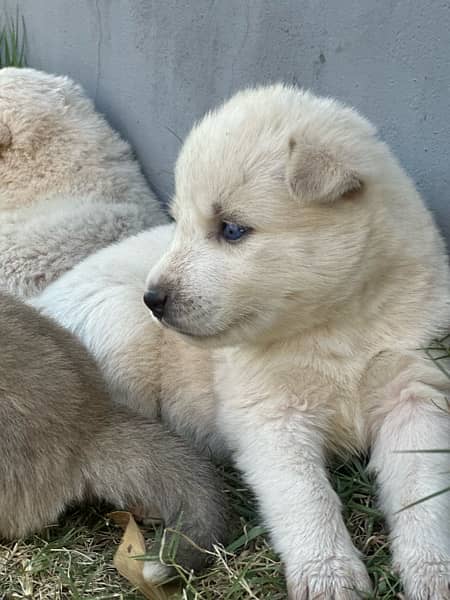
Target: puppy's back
{"points": [[49, 391], [62, 441]]}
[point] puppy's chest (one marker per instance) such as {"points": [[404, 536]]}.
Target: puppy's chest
{"points": [[281, 394]]}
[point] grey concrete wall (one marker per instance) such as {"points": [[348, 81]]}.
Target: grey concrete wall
{"points": [[155, 66]]}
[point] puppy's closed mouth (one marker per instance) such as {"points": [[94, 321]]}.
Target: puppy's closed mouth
{"points": [[208, 335], [184, 332], [192, 334]]}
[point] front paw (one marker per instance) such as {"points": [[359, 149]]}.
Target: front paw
{"points": [[335, 578], [426, 576]]}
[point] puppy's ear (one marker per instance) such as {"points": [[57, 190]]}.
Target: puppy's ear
{"points": [[5, 136], [314, 174]]}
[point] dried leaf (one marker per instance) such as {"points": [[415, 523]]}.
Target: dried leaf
{"points": [[133, 544]]}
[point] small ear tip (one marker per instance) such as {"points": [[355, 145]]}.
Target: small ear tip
{"points": [[292, 144], [5, 136], [352, 186]]}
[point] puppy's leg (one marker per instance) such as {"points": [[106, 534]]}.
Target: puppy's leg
{"points": [[282, 459], [420, 534], [134, 462]]}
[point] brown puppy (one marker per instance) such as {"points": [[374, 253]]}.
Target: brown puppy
{"points": [[62, 442]]}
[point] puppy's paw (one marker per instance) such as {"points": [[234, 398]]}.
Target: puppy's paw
{"points": [[337, 578], [155, 572], [427, 578]]}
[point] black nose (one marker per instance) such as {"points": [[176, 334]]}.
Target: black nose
{"points": [[155, 299]]}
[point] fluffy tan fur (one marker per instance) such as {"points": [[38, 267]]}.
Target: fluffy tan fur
{"points": [[69, 184]]}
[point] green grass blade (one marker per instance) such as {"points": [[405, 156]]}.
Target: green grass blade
{"points": [[22, 49], [2, 35], [425, 498], [246, 537], [6, 51], [13, 43]]}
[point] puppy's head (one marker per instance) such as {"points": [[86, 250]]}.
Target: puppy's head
{"points": [[273, 217]]}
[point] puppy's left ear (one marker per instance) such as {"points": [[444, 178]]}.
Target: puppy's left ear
{"points": [[314, 174], [5, 136]]}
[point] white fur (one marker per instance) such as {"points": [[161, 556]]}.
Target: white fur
{"points": [[305, 334], [155, 572], [69, 184], [100, 300]]}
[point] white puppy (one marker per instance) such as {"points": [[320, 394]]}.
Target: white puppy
{"points": [[307, 272]]}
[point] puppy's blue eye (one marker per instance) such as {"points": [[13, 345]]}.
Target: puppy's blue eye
{"points": [[232, 232]]}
